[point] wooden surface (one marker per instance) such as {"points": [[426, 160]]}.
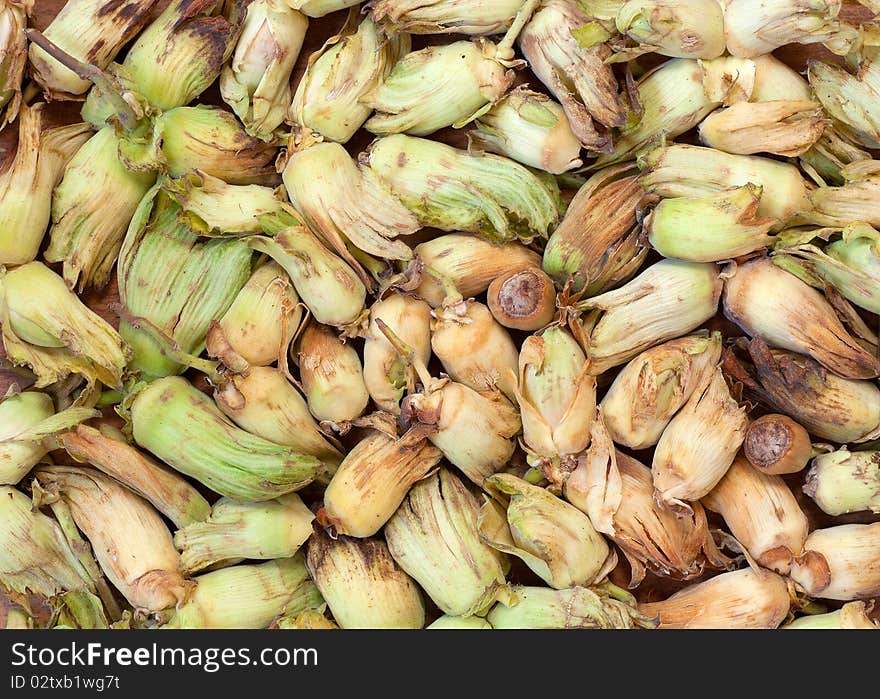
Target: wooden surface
{"points": [[104, 301]]}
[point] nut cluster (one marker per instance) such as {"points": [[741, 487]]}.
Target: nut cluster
{"points": [[564, 316]]}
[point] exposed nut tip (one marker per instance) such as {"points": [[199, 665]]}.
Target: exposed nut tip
{"points": [[524, 299], [767, 441], [519, 295]]}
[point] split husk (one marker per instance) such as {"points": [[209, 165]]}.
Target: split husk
{"points": [[433, 537], [347, 67], [374, 478], [387, 375], [256, 82], [557, 400], [29, 179], [345, 204], [653, 387], [596, 245], [46, 327], [829, 407], [553, 538], [617, 493], [578, 77], [257, 327]]}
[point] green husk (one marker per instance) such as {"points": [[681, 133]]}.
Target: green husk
{"points": [[687, 171], [433, 536], [236, 530], [572, 608], [319, 8], [677, 28], [451, 189], [711, 228], [844, 481], [672, 99], [25, 418], [45, 326], [256, 82], [247, 596], [212, 207], [177, 57], [348, 66], [173, 285], [530, 128], [438, 86], [91, 208], [327, 285], [850, 263], [184, 428], [852, 615], [259, 325], [345, 203], [553, 538], [752, 30], [460, 622], [35, 556], [263, 402]]}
